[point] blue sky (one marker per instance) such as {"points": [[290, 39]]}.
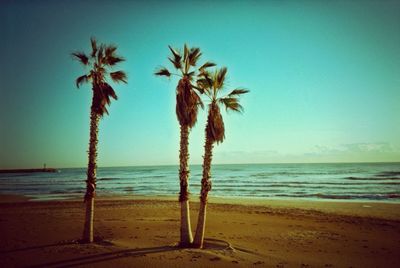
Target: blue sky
{"points": [[324, 80]]}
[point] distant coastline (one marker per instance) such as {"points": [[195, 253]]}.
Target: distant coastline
{"points": [[28, 170]]}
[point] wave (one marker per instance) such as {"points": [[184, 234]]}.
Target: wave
{"points": [[281, 187], [388, 174], [68, 192], [297, 183], [332, 196], [11, 175], [107, 179], [297, 173], [132, 178], [372, 178]]}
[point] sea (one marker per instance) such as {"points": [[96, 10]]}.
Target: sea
{"points": [[334, 181]]}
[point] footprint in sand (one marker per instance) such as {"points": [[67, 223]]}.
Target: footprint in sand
{"points": [[215, 259]]}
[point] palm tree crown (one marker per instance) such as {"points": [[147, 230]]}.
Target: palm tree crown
{"points": [[212, 85], [101, 58], [187, 99]]}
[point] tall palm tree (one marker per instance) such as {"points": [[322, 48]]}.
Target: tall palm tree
{"points": [[212, 84], [187, 103], [101, 58]]}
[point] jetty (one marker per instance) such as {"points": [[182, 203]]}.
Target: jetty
{"points": [[28, 170]]}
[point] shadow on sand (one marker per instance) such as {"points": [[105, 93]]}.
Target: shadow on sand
{"points": [[209, 244], [105, 257], [63, 243]]}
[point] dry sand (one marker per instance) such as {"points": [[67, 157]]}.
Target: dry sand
{"points": [[142, 232]]}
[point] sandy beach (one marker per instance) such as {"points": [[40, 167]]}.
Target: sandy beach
{"points": [[143, 231]]}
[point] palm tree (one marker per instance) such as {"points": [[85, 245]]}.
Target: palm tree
{"points": [[212, 85], [101, 58], [187, 103]]}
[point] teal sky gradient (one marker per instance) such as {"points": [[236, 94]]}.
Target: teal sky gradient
{"points": [[324, 78]]}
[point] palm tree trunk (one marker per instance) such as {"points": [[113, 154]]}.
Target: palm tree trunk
{"points": [[205, 188], [91, 177], [186, 230]]}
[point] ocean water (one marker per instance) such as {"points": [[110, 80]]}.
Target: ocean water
{"points": [[362, 181]]}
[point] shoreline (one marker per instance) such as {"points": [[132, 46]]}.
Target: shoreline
{"points": [[373, 209]]}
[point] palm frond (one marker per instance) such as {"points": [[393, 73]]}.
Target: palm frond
{"points": [[206, 65], [163, 72], [231, 103], [100, 55], [93, 43], [108, 92], [81, 79], [194, 55], [102, 94], [199, 89], [113, 60], [80, 56], [174, 52], [109, 50], [220, 77], [185, 52], [237, 92], [190, 75], [204, 83], [118, 76], [186, 58], [176, 62], [204, 73], [199, 101]]}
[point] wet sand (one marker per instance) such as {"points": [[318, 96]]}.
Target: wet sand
{"points": [[143, 231]]}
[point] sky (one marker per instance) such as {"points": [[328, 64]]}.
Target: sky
{"points": [[324, 80]]}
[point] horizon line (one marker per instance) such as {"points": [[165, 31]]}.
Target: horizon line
{"points": [[219, 164]]}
